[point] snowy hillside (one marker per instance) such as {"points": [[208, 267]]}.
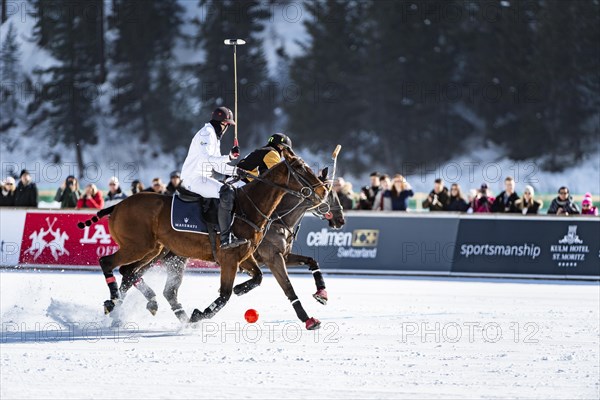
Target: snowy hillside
{"points": [[129, 158]]}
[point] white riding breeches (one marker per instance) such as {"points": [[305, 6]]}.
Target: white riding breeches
{"points": [[205, 186]]}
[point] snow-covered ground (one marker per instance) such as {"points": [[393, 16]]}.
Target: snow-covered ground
{"points": [[381, 338]]}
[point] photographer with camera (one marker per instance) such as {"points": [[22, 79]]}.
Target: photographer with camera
{"points": [[92, 198], [68, 193], [438, 198], [482, 203], [367, 194]]}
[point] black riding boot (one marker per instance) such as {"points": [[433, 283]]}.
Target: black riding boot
{"points": [[226, 202]]}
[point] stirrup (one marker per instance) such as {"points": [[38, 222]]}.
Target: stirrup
{"points": [[232, 243]]}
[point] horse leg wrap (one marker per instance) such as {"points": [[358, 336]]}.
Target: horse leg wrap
{"points": [[318, 276], [180, 312], [245, 287], [111, 281], [302, 315], [210, 311]]}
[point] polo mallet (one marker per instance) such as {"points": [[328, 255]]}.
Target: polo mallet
{"points": [[235, 43], [326, 212], [334, 157]]}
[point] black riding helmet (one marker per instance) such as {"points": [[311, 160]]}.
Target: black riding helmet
{"points": [[279, 138], [223, 114]]}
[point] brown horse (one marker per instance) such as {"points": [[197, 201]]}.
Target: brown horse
{"points": [[276, 245], [141, 226]]}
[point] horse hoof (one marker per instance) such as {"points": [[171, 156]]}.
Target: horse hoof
{"points": [[321, 296], [109, 306], [312, 324], [152, 306], [197, 315]]}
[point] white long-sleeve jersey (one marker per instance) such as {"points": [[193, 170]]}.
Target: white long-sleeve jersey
{"points": [[204, 156]]}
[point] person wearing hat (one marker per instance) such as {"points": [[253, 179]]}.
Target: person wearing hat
{"points": [[68, 193], [7, 192], [204, 158], [115, 194], [587, 206], [563, 204], [482, 203], [174, 182], [527, 204], [27, 192], [264, 158]]}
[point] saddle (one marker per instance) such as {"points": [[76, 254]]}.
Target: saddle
{"points": [[191, 212]]}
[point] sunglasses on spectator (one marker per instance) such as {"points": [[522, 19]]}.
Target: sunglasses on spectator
{"points": [[112, 184], [156, 184], [563, 192], [585, 205]]}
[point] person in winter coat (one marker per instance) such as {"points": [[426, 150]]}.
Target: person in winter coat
{"points": [[505, 201], [174, 182], [527, 204], [92, 198], [8, 190], [137, 186], [456, 201], [396, 198], [157, 187], [482, 203], [384, 184], [203, 160], [587, 206], [27, 192], [115, 194], [367, 194], [68, 194], [563, 204], [438, 197], [346, 200]]}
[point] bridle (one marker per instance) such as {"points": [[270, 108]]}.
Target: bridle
{"points": [[306, 193]]}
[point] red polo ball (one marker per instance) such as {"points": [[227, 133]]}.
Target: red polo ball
{"points": [[251, 315]]}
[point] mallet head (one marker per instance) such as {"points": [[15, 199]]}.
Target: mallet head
{"points": [[234, 42]]}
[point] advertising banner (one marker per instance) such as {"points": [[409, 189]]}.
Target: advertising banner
{"points": [[377, 241], [551, 246], [54, 238]]}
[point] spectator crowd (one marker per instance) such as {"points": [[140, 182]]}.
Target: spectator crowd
{"points": [[384, 193]]}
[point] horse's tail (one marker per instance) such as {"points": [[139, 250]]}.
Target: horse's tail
{"points": [[102, 213]]}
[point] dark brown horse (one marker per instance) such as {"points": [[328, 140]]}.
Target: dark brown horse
{"points": [[141, 226], [277, 244]]}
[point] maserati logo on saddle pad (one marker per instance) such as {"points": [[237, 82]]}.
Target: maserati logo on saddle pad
{"points": [[185, 217]]}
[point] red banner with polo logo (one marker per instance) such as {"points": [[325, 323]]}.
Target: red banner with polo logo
{"points": [[55, 239]]}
